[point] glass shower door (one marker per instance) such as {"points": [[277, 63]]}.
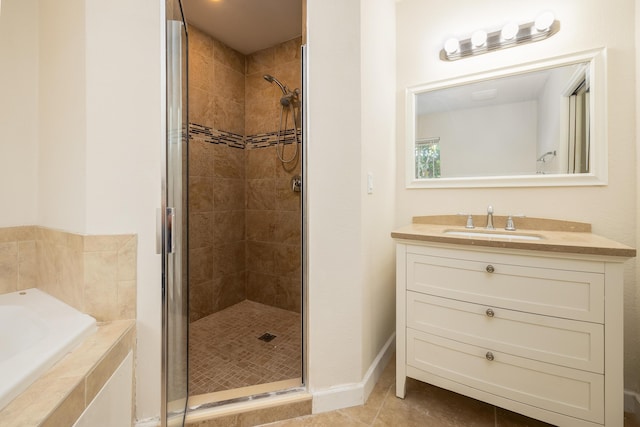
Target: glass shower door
{"points": [[174, 214]]}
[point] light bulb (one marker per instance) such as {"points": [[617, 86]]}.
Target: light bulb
{"points": [[451, 45], [509, 31], [544, 21], [479, 38]]}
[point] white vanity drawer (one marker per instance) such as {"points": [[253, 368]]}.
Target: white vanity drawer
{"points": [[570, 343], [555, 388], [571, 294]]}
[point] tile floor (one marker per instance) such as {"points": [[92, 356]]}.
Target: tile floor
{"points": [[225, 354], [424, 406], [225, 351]]}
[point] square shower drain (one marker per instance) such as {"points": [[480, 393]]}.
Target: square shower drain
{"points": [[266, 337]]}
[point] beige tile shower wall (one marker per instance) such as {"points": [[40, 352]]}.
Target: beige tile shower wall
{"points": [[228, 89], [228, 226], [229, 268], [216, 228], [200, 77], [244, 233], [94, 274], [216, 178], [273, 210], [262, 101], [201, 218], [273, 231], [216, 83]]}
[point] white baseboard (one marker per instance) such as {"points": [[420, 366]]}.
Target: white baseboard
{"points": [[355, 394], [632, 403]]}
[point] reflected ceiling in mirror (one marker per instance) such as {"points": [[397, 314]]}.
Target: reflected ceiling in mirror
{"points": [[535, 124]]}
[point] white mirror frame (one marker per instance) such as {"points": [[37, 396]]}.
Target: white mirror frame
{"points": [[598, 153]]}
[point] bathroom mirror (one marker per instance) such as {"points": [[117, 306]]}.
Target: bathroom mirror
{"points": [[536, 124]]}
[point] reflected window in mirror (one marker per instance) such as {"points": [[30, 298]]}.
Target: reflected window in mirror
{"points": [[428, 158]]}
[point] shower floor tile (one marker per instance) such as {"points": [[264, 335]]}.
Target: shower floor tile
{"points": [[225, 352]]}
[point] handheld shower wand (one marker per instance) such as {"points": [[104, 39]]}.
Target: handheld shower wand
{"points": [[271, 79], [288, 102]]}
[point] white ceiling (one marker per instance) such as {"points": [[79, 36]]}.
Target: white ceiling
{"points": [[246, 25], [507, 90]]}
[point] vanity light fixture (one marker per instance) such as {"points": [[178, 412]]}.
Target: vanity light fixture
{"points": [[452, 45], [479, 38], [509, 31], [544, 21], [512, 34]]}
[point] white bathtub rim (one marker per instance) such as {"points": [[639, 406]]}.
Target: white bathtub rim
{"points": [[22, 369]]}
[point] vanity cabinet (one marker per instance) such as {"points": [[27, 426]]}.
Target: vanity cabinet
{"points": [[535, 332]]}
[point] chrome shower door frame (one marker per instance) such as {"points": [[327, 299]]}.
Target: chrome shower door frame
{"points": [[173, 225]]}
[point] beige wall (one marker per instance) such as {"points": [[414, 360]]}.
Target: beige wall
{"points": [[62, 116], [19, 111], [89, 161], [423, 27], [334, 198], [350, 133], [509, 151], [125, 133], [378, 158]]}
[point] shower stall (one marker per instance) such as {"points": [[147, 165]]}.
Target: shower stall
{"points": [[233, 316]]}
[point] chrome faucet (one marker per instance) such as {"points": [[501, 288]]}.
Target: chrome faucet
{"points": [[510, 224], [490, 218]]}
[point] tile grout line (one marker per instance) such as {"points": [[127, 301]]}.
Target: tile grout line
{"points": [[254, 370], [354, 419], [386, 395]]}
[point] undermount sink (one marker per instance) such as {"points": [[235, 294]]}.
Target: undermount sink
{"points": [[488, 234]]}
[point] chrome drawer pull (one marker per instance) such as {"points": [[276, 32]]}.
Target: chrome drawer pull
{"points": [[490, 268], [489, 356], [490, 312]]}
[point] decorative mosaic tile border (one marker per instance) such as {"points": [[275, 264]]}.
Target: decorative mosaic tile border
{"points": [[215, 136], [263, 140], [251, 142]]}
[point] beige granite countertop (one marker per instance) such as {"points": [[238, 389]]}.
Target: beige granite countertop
{"points": [[555, 235], [60, 396]]}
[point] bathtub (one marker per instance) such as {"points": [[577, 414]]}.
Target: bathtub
{"points": [[36, 330]]}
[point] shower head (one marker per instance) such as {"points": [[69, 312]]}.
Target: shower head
{"points": [[271, 79]]}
